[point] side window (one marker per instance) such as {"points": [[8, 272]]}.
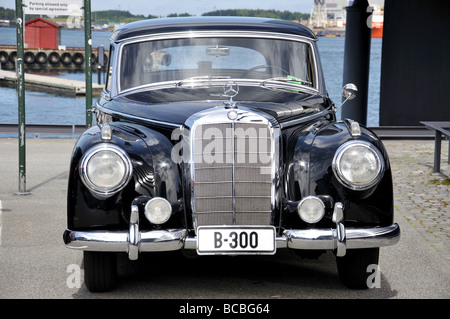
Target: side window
{"points": [[109, 69]]}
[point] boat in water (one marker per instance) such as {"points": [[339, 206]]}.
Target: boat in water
{"points": [[377, 24]]}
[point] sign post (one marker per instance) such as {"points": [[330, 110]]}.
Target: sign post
{"points": [[49, 7], [21, 97], [88, 60]]}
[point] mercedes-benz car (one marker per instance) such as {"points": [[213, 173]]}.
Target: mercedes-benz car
{"points": [[216, 136]]}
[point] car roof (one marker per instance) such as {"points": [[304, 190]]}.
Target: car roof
{"points": [[163, 25]]}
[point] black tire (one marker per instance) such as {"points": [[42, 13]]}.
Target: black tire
{"points": [[54, 58], [13, 57], [353, 267], [41, 58], [66, 58], [93, 59], [29, 57], [78, 59], [100, 271], [4, 57]]}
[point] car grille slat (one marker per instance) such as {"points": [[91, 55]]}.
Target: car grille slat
{"points": [[232, 173]]}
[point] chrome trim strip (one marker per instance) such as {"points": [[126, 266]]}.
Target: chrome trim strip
{"points": [[318, 239], [120, 241], [341, 240], [233, 169], [212, 34], [372, 237], [97, 240], [221, 82], [162, 240], [136, 118], [134, 237]]}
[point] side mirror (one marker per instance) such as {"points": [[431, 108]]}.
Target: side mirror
{"points": [[349, 91]]}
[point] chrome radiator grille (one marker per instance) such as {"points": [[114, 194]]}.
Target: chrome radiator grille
{"points": [[232, 173]]}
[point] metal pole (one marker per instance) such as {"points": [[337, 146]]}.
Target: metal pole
{"points": [[21, 97], [100, 62], [437, 152], [358, 36], [88, 60]]}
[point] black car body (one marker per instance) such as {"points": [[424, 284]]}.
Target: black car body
{"points": [[217, 136]]}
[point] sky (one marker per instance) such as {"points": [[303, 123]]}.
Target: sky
{"points": [[193, 7]]}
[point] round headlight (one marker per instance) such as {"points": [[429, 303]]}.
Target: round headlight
{"points": [[311, 209], [358, 165], [105, 169], [158, 210]]}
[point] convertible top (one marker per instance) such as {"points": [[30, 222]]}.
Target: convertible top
{"points": [[155, 26]]}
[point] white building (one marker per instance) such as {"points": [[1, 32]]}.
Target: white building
{"points": [[331, 13]]}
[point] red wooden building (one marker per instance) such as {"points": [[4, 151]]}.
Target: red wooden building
{"points": [[43, 34]]}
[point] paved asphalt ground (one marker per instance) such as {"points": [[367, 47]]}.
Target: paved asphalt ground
{"points": [[35, 264]]}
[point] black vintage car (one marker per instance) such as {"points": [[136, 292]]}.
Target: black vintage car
{"points": [[217, 136]]}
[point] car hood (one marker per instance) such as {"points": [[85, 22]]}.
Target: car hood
{"points": [[149, 106]]}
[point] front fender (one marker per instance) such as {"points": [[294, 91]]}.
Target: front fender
{"points": [[311, 173], [154, 174]]}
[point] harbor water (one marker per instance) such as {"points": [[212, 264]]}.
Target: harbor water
{"points": [[49, 108]]}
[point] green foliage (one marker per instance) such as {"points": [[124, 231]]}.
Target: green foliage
{"points": [[125, 16], [275, 14], [7, 14], [119, 16], [175, 15], [115, 16]]}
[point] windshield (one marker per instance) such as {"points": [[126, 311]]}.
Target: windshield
{"points": [[250, 59]]}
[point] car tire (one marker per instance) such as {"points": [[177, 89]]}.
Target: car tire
{"points": [[353, 267], [100, 271]]}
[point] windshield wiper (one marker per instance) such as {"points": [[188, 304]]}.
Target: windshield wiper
{"points": [[288, 83], [286, 79], [199, 79]]}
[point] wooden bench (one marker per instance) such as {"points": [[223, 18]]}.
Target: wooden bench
{"points": [[440, 129]]}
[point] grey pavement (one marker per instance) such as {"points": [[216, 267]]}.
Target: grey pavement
{"points": [[35, 264], [421, 196]]}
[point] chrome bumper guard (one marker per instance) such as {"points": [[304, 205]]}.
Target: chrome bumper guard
{"points": [[134, 241]]}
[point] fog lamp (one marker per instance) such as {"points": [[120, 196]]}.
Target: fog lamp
{"points": [[311, 209], [158, 210]]}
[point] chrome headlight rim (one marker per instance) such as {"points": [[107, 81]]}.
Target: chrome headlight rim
{"points": [[105, 191], [349, 184]]}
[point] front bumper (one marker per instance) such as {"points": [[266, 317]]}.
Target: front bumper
{"points": [[133, 242]]}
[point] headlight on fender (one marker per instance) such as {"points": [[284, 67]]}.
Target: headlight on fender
{"points": [[106, 169], [358, 165]]}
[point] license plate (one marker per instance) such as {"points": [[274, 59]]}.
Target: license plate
{"points": [[235, 240]]}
